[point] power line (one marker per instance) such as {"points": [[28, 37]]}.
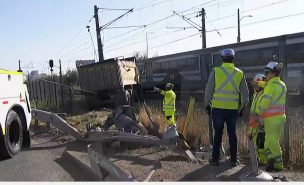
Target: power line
{"points": [[275, 18], [114, 20], [95, 55], [141, 8], [77, 46], [224, 28], [137, 42], [68, 43], [197, 6], [148, 25], [139, 26], [114, 9], [271, 4], [195, 25], [257, 8], [166, 43], [220, 18], [122, 34], [69, 54]]}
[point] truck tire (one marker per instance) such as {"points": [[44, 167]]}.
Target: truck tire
{"points": [[11, 142]]}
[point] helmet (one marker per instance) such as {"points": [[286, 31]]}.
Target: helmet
{"points": [[169, 86], [259, 77], [274, 67], [228, 55]]}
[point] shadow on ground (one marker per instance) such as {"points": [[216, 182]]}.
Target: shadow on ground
{"points": [[216, 173]]}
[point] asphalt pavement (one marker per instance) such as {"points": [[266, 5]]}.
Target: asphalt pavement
{"points": [[45, 161]]}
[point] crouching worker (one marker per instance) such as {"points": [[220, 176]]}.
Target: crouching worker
{"points": [[169, 110], [255, 129]]}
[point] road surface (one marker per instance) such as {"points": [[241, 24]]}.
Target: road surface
{"points": [[44, 162]]}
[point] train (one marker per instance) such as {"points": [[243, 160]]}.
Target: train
{"points": [[189, 71]]}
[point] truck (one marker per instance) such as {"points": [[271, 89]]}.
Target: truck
{"points": [[110, 82], [15, 113]]}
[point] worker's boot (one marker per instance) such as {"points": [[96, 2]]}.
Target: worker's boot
{"points": [[270, 165], [214, 162], [234, 163]]}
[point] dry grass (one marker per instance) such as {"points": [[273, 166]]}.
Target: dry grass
{"points": [[93, 117], [296, 135], [198, 129]]}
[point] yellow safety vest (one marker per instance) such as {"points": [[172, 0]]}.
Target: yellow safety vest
{"points": [[227, 87], [257, 97], [253, 119], [273, 100], [169, 101]]}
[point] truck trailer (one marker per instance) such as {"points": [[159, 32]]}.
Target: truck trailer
{"points": [[110, 82]]}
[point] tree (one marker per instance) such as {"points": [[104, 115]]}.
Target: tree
{"points": [[140, 55], [71, 76]]}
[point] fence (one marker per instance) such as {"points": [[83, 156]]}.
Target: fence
{"points": [[50, 94]]}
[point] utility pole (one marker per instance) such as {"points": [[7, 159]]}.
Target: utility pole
{"points": [[202, 13], [239, 25], [99, 44], [239, 32], [200, 28], [60, 80], [147, 44]]}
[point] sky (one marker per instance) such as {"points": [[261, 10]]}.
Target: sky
{"points": [[35, 31]]}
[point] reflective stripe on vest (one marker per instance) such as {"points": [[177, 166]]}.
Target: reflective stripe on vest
{"points": [[170, 105], [256, 100], [275, 109], [224, 96]]}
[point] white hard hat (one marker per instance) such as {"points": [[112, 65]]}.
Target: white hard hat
{"points": [[259, 77], [169, 85], [274, 66]]}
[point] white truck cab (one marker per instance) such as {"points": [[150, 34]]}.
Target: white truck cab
{"points": [[15, 113]]}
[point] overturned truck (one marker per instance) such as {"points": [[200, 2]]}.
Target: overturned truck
{"points": [[110, 82]]}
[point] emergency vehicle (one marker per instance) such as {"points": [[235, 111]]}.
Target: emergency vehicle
{"points": [[15, 113]]}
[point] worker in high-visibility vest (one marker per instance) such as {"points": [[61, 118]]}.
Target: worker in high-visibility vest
{"points": [[168, 103], [171, 133], [225, 86], [272, 111], [255, 129]]}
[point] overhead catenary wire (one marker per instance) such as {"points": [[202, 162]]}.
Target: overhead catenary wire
{"points": [[114, 20], [73, 38], [141, 41], [148, 6], [192, 23], [95, 55], [275, 18], [77, 47], [257, 8], [167, 43], [118, 27], [224, 28], [167, 17], [114, 9], [80, 50], [157, 21]]}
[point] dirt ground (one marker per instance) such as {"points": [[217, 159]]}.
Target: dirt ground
{"points": [[139, 162]]}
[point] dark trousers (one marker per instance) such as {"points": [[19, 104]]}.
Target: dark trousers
{"points": [[219, 117]]}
